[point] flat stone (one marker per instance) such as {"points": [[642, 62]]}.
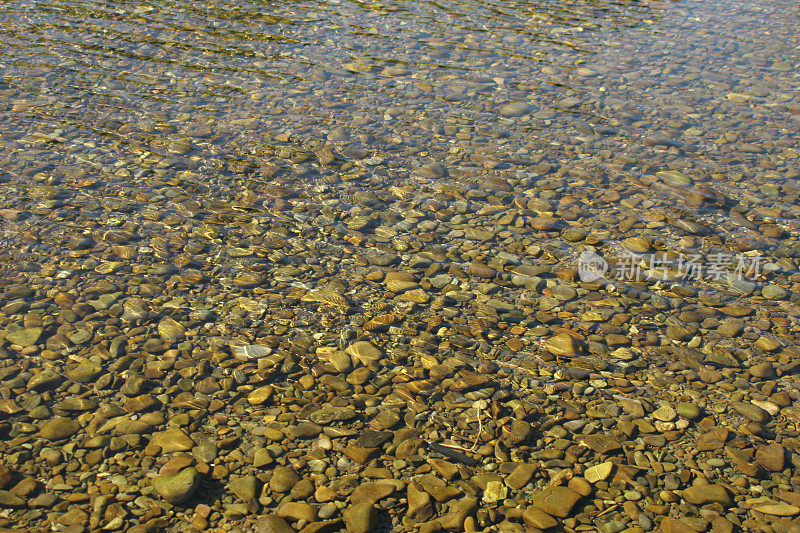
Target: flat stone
{"points": [[673, 525], [365, 352], [59, 428], [772, 507], [170, 330], [245, 488], [763, 371], [371, 438], [179, 488], [328, 415], [172, 440], [520, 476], [361, 518], [419, 503], [457, 514], [713, 439], [515, 109], [664, 413], [9, 499], [753, 412], [705, 494], [602, 443], [519, 432], [85, 372], [272, 523], [774, 292], [563, 345], [45, 380], [297, 511], [283, 479], [304, 430], [360, 454], [688, 410], [371, 492], [545, 223], [73, 517], [495, 491], [771, 456], [535, 517], [580, 485], [25, 337], [260, 395], [556, 501], [597, 473], [639, 245]]}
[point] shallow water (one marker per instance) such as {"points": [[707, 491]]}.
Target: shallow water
{"points": [[255, 169], [235, 102]]}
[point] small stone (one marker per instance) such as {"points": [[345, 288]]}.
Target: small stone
{"points": [[763, 371], [365, 352], [85, 372], [688, 410], [6, 475], [556, 501], [328, 415], [774, 292], [170, 330], [179, 488], [535, 517], [248, 280], [753, 412], [8, 499], [520, 476], [45, 380], [360, 454], [283, 479], [74, 517], [600, 472], [704, 494], [59, 428], [771, 456], [772, 507], [371, 492], [713, 439], [515, 109], [495, 492], [664, 413], [172, 440], [562, 344], [545, 223], [602, 443], [361, 518], [639, 245], [25, 337], [297, 511], [580, 485], [457, 514], [260, 395], [419, 503], [272, 523], [520, 431], [673, 525], [245, 488]]}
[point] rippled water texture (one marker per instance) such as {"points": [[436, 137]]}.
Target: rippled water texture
{"points": [[218, 106]]}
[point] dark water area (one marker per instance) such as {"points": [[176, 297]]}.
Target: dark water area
{"points": [[251, 240]]}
